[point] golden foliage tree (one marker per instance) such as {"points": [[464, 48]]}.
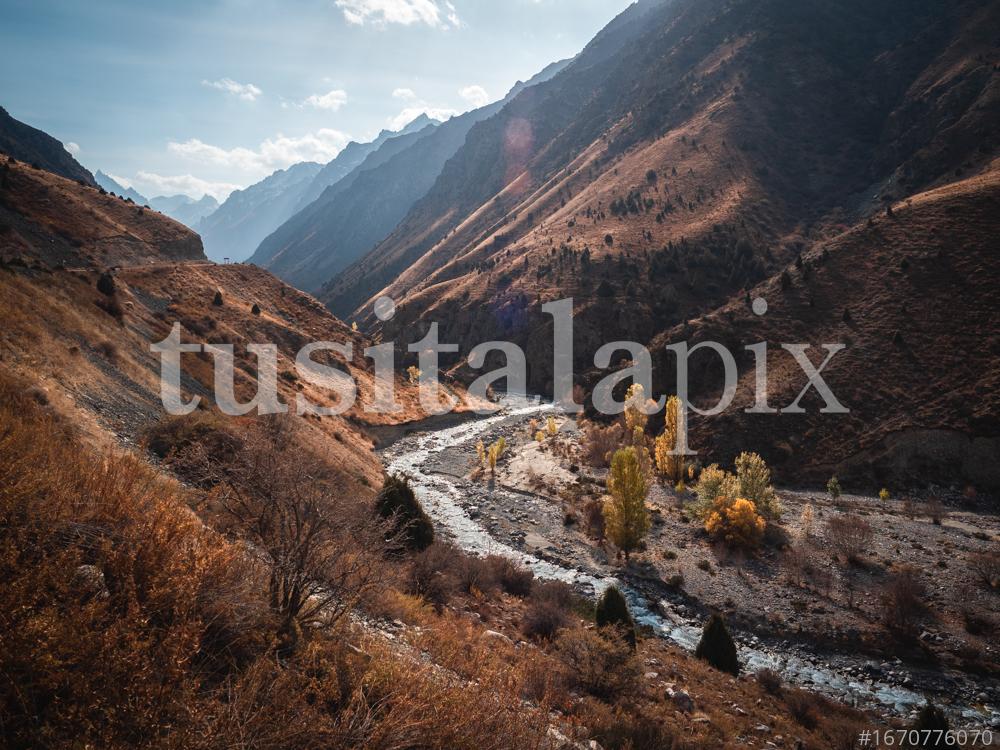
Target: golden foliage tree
{"points": [[625, 515], [755, 483], [671, 465], [635, 417], [737, 522]]}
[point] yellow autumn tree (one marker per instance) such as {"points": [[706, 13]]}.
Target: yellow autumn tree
{"points": [[671, 466], [495, 452], [625, 516], [755, 484], [551, 427], [736, 522], [635, 400], [713, 483]]}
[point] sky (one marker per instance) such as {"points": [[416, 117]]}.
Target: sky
{"points": [[206, 96]]}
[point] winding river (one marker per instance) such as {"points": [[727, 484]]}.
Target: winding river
{"points": [[442, 497]]}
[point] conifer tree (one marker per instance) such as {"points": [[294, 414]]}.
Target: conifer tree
{"points": [[612, 611], [717, 648]]}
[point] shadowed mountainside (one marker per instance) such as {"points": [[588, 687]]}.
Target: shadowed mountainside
{"points": [[726, 140], [33, 146]]}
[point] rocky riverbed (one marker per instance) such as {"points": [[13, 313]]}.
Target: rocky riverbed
{"points": [[518, 513]]}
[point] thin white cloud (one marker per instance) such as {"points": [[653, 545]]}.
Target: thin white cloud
{"points": [[409, 114], [332, 100], [246, 91], [153, 184], [475, 95], [381, 13], [73, 148], [404, 94], [279, 152]]}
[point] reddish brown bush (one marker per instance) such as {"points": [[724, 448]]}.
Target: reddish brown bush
{"points": [[600, 443], [513, 578], [985, 566], [849, 536], [601, 664], [903, 600], [430, 574]]}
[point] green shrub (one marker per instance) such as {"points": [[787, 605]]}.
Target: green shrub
{"points": [[106, 284], [833, 488], [717, 648]]}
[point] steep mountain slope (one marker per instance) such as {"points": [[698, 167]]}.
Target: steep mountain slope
{"points": [[656, 185], [353, 156], [496, 152], [113, 186], [31, 145], [247, 216], [752, 118], [911, 297], [89, 350], [184, 208], [356, 213], [58, 222]]}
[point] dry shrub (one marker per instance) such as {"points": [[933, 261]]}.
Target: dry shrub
{"points": [[113, 662], [620, 728], [108, 350], [112, 306], [849, 536], [476, 575], [401, 704], [594, 518], [599, 443], [903, 600], [513, 578], [769, 680], [935, 510], [600, 663], [430, 574], [325, 551], [985, 566], [802, 708], [976, 621], [193, 446], [548, 610]]}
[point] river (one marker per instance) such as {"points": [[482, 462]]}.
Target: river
{"points": [[442, 493]]}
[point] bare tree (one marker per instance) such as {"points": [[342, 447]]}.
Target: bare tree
{"points": [[324, 552], [849, 536]]}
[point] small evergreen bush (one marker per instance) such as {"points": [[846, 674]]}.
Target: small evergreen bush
{"points": [[612, 610], [717, 648]]}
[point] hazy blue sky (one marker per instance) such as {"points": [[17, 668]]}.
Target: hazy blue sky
{"points": [[195, 96]]}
